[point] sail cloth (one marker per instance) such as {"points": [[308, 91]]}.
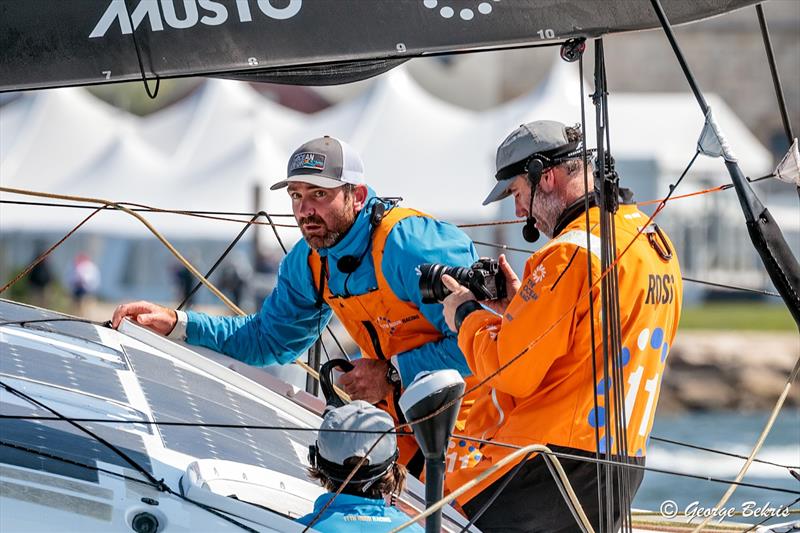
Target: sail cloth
{"points": [[52, 44]]}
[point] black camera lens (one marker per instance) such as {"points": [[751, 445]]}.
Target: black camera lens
{"points": [[430, 281]]}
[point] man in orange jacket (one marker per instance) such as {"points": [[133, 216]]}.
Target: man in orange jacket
{"points": [[552, 392]]}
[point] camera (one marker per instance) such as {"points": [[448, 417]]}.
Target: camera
{"points": [[484, 279]]}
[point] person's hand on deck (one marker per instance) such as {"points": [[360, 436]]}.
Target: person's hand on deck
{"points": [[153, 316]]}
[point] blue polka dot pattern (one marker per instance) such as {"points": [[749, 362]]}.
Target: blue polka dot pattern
{"points": [[472, 448], [603, 443], [655, 340], [602, 386], [462, 443], [639, 452], [664, 352], [601, 417], [626, 356]]}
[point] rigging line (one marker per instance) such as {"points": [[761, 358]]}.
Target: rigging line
{"points": [[732, 287], [503, 247], [141, 208], [719, 452], [153, 94], [573, 499], [776, 80], [757, 447], [768, 518], [213, 510], [66, 460], [141, 219], [765, 235], [47, 252], [354, 431], [485, 49], [106, 323], [590, 276], [233, 307], [496, 223], [632, 466], [609, 362], [201, 424], [506, 480], [162, 487], [218, 261]]}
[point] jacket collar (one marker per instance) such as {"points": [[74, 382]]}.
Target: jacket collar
{"points": [[346, 500], [573, 211]]}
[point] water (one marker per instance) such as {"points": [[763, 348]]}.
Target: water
{"points": [[731, 432]]}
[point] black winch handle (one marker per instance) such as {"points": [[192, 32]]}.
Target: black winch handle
{"points": [[331, 398]]}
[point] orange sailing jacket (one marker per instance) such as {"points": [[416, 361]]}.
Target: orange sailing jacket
{"points": [[382, 324], [548, 395]]}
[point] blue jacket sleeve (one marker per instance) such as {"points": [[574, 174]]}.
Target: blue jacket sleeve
{"points": [[411, 242], [287, 324]]}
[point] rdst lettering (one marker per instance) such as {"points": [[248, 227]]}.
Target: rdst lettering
{"points": [[660, 289]]}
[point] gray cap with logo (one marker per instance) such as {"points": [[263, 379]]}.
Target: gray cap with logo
{"points": [[324, 162], [338, 446], [547, 137]]}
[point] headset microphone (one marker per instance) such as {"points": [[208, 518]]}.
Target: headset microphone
{"points": [[535, 166], [529, 231]]}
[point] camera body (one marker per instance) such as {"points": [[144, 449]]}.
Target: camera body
{"points": [[484, 279]]}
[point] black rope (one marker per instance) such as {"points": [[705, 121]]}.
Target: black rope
{"points": [[634, 466], [144, 209], [213, 510], [506, 480], [153, 94], [200, 424], [219, 260], [590, 276], [773, 69], [719, 452], [105, 324], [768, 518], [732, 287]]}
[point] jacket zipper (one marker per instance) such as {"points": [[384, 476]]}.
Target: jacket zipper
{"points": [[373, 336]]}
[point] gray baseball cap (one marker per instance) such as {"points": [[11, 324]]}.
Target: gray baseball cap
{"points": [[337, 446], [325, 162], [546, 137]]}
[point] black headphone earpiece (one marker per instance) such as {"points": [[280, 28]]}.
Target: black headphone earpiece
{"points": [[535, 168], [347, 264]]}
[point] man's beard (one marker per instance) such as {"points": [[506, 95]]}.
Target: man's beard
{"points": [[547, 209], [330, 235]]}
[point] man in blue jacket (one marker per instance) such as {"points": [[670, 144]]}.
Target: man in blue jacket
{"points": [[362, 504], [358, 258]]}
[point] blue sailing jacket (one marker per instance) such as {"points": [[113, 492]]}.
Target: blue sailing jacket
{"points": [[352, 514], [289, 321]]}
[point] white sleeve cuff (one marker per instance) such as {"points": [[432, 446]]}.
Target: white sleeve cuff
{"points": [[179, 331]]}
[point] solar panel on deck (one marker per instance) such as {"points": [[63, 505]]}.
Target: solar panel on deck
{"points": [[181, 395], [68, 372], [61, 439], [10, 311]]}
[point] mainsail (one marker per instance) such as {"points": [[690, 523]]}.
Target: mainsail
{"points": [[53, 44]]}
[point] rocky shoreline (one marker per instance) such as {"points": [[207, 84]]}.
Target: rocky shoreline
{"points": [[738, 370]]}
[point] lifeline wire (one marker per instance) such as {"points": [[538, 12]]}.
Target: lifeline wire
{"points": [[300, 429]]}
